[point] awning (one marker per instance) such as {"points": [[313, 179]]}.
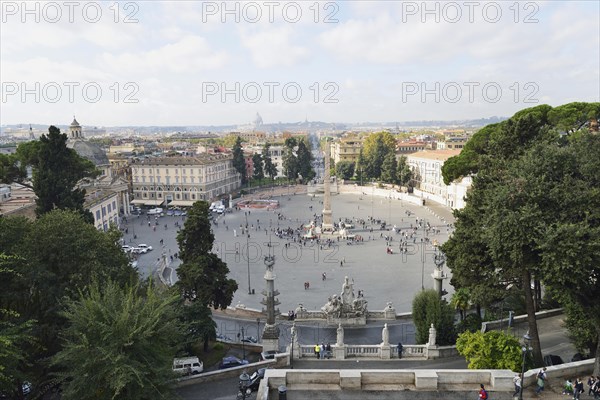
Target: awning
{"points": [[147, 202], [182, 203]]}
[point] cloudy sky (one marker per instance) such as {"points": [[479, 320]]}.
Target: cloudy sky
{"points": [[199, 63]]}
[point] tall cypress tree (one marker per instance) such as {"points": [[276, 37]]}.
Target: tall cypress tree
{"points": [[239, 163]]}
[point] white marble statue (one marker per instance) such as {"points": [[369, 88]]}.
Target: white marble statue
{"points": [[432, 336], [340, 335], [347, 292], [385, 335]]}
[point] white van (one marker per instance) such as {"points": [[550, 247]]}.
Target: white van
{"points": [[155, 211], [187, 366]]}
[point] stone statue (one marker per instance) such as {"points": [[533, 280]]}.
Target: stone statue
{"points": [[432, 335], [340, 336], [385, 335], [293, 331], [347, 292]]}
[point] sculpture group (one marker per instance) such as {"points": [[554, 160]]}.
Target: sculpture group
{"points": [[346, 305]]}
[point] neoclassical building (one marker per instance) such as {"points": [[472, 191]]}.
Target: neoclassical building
{"points": [[180, 181]]}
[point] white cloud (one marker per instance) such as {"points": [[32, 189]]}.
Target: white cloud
{"points": [[191, 53], [272, 46]]}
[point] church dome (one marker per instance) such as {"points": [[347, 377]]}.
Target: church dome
{"points": [[90, 151]]}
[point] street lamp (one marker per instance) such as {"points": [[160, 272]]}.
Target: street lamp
{"points": [[248, 251], [292, 350], [524, 349], [243, 348], [243, 385], [257, 329]]}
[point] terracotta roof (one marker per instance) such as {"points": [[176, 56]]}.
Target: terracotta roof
{"points": [[440, 155]]}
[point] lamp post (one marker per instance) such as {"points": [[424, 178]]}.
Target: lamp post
{"points": [[257, 329], [292, 349], [243, 348], [248, 251], [244, 382], [524, 349]]}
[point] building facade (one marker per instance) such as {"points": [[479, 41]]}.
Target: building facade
{"points": [[181, 181], [104, 207], [346, 150], [427, 167]]}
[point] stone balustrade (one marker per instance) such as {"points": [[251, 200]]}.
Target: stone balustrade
{"points": [[372, 351]]}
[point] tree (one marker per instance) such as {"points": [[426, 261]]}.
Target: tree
{"points": [[304, 160], [404, 173], [428, 308], [344, 169], [61, 254], [15, 337], [203, 275], [290, 164], [269, 168], [490, 350], [239, 162], [461, 301], [57, 173], [257, 165], [119, 344], [389, 169], [361, 165], [197, 322], [531, 215], [376, 147]]}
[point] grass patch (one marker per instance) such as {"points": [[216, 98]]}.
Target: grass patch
{"points": [[216, 351]]}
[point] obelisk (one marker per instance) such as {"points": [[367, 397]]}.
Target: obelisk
{"points": [[327, 225], [270, 335]]}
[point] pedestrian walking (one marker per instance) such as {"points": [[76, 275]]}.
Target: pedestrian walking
{"points": [[578, 389], [483, 395], [324, 276], [517, 383], [541, 380]]}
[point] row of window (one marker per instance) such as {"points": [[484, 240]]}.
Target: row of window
{"points": [[106, 210]]}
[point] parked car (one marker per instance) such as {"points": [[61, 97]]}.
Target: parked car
{"points": [[139, 250], [126, 248], [230, 362], [268, 355], [155, 211], [552, 359], [255, 379], [144, 246], [188, 365], [578, 357], [249, 339], [224, 338]]}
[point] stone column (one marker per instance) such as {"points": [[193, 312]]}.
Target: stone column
{"points": [[270, 336], [327, 225]]}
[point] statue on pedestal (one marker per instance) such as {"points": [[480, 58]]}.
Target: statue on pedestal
{"points": [[432, 336], [385, 335], [340, 336]]}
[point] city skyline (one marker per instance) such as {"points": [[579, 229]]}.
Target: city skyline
{"points": [[179, 64]]}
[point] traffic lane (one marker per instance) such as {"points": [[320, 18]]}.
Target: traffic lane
{"points": [[216, 390]]}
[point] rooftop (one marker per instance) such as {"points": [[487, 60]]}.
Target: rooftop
{"points": [[440, 155], [199, 159]]}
